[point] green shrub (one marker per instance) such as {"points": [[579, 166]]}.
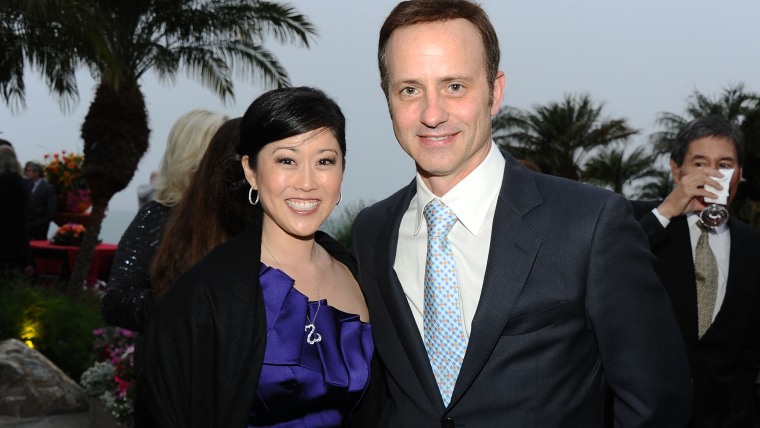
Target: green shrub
{"points": [[339, 224], [59, 325]]}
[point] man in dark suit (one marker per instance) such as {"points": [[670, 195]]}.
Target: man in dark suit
{"points": [[42, 202], [719, 318], [14, 245], [558, 298]]}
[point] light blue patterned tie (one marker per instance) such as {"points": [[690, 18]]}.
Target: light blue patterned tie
{"points": [[445, 339]]}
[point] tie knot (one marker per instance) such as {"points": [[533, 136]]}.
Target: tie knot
{"points": [[440, 218], [702, 227]]}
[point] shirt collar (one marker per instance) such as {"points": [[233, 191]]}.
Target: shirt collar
{"points": [[471, 198], [693, 218]]}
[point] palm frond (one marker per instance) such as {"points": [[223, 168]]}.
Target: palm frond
{"points": [[559, 135]]}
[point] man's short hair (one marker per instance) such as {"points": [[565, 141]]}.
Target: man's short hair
{"points": [[414, 12], [34, 166], [708, 126]]}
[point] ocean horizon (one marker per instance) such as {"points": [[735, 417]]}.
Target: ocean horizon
{"points": [[114, 225]]}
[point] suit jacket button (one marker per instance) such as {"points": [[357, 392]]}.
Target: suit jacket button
{"points": [[447, 423]]}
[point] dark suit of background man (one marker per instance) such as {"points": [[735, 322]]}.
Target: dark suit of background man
{"points": [[724, 358], [14, 244], [558, 297], [42, 202]]}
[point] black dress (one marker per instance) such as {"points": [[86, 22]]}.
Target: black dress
{"points": [[128, 299]]}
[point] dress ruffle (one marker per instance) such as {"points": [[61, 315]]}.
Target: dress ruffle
{"points": [[300, 381]]}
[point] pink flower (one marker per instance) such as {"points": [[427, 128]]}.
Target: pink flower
{"points": [[123, 386], [124, 332]]}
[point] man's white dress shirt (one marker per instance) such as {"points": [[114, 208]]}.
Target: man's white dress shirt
{"points": [[473, 200], [720, 244]]}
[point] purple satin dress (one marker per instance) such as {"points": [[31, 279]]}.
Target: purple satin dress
{"points": [[304, 385]]}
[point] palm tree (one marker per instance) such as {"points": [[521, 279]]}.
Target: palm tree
{"points": [[735, 104], [613, 169], [558, 136], [119, 41], [657, 188]]}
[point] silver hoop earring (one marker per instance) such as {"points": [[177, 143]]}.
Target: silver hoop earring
{"points": [[250, 198], [340, 198]]}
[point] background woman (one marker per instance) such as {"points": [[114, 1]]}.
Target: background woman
{"points": [[271, 327], [128, 299], [214, 210]]}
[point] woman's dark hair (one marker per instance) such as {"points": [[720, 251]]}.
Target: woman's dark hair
{"points": [[287, 112], [213, 209]]}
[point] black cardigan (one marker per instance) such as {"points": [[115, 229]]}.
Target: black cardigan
{"points": [[205, 342]]}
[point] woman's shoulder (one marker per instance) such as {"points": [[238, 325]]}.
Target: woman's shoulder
{"points": [[152, 210], [150, 218], [336, 251], [226, 265], [144, 229], [222, 279]]}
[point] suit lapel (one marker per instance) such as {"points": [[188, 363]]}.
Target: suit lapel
{"points": [[514, 246], [678, 264], [397, 304]]}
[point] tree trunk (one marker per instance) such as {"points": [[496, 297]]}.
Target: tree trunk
{"points": [[87, 249], [115, 133]]}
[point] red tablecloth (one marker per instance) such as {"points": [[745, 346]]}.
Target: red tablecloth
{"points": [[58, 260]]}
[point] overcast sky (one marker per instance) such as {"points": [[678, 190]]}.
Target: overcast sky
{"points": [[638, 57]]}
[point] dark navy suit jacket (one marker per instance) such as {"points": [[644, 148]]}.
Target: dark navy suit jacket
{"points": [[570, 306], [41, 209], [724, 363]]}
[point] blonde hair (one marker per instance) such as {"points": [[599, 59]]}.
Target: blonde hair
{"points": [[188, 140]]}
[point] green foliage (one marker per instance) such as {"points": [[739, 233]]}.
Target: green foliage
{"points": [[734, 103], [15, 298], [118, 42], [558, 136], [658, 187], [339, 224], [60, 325], [614, 169]]}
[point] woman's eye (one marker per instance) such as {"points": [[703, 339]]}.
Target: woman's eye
{"points": [[286, 161], [326, 161]]}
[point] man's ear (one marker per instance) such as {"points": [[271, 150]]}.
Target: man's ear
{"points": [[498, 91], [675, 171]]}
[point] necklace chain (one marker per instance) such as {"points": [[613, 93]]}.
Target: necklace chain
{"points": [[270, 254], [312, 337]]}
